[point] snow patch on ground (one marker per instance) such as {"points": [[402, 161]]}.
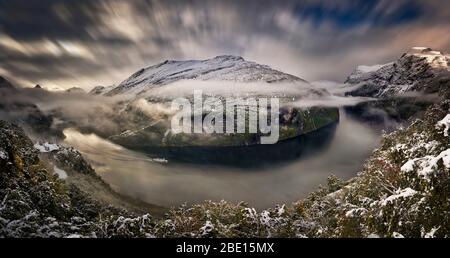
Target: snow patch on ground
{"points": [[207, 228], [265, 218], [401, 193], [444, 123], [61, 173], [46, 147], [3, 155], [426, 165], [355, 212], [74, 236], [431, 233], [397, 235]]}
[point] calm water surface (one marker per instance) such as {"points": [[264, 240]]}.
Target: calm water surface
{"points": [[261, 184]]}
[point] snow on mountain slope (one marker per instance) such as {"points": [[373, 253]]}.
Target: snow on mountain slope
{"points": [[144, 108], [220, 68], [101, 90], [364, 72], [420, 69], [436, 59]]}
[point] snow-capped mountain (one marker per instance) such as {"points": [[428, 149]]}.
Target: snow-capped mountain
{"points": [[220, 68], [420, 69], [145, 98]]}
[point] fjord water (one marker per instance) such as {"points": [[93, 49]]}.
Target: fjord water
{"points": [[339, 149]]}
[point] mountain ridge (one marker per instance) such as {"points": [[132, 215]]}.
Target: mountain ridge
{"points": [[219, 68], [420, 69]]}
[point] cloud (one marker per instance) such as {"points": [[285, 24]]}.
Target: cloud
{"points": [[330, 101], [88, 43], [186, 88], [86, 112]]}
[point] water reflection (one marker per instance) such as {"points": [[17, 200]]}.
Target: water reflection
{"points": [[348, 144], [255, 156]]}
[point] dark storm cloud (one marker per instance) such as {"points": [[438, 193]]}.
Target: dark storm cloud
{"points": [[86, 43], [71, 65], [31, 19]]}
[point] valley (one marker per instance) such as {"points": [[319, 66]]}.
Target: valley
{"points": [[109, 157]]}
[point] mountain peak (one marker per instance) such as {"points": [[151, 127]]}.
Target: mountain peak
{"points": [[229, 57], [419, 69], [435, 59], [423, 50], [219, 68], [219, 57]]}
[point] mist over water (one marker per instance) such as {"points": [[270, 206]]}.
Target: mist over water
{"points": [[169, 184]]}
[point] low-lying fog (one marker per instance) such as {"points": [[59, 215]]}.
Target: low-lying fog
{"points": [[172, 183], [151, 180]]}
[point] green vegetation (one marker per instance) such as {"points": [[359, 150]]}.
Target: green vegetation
{"points": [[293, 122]]}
